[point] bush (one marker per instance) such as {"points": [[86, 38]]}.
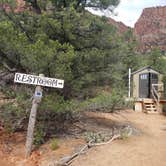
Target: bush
{"points": [[106, 102], [13, 117], [8, 92], [22, 92], [14, 114], [39, 137], [56, 103], [55, 115], [54, 144]]}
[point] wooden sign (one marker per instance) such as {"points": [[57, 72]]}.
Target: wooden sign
{"points": [[38, 80]]}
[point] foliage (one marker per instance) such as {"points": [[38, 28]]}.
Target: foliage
{"points": [[66, 39], [76, 4], [39, 136], [106, 102], [15, 113], [54, 144], [13, 117], [55, 115], [8, 92], [156, 59]]}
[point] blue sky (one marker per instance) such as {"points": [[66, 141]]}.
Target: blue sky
{"points": [[129, 11]]}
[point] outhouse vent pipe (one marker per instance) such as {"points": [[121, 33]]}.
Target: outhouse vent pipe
{"points": [[129, 84]]}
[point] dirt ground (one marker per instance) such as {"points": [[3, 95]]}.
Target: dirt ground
{"points": [[148, 148]]}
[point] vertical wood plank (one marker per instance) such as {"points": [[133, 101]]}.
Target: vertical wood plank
{"points": [[32, 119]]}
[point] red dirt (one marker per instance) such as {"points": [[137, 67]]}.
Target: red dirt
{"points": [[12, 150]]}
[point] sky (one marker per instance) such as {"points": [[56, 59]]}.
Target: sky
{"points": [[129, 11]]}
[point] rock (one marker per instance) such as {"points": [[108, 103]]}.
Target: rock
{"points": [[150, 29], [121, 27]]}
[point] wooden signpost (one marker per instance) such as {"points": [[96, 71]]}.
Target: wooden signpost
{"points": [[39, 81]]}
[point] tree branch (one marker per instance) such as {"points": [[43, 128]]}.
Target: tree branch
{"points": [[18, 24], [5, 65], [68, 160]]}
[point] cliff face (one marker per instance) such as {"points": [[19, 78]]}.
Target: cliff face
{"points": [[122, 28], [150, 29]]}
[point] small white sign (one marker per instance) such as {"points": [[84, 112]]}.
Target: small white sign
{"points": [[38, 80], [38, 94]]}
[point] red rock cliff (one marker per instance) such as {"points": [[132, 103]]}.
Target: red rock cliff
{"points": [[121, 27], [150, 29]]}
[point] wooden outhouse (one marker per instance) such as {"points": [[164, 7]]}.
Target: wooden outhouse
{"points": [[143, 80], [147, 89]]}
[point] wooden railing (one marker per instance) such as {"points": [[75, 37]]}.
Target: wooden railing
{"points": [[155, 93]]}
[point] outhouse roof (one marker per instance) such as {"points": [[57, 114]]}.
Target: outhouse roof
{"points": [[144, 68]]}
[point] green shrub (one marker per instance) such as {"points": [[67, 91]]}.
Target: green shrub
{"points": [[13, 116], [20, 93], [9, 93], [106, 102], [54, 144], [39, 136], [55, 114], [57, 103]]}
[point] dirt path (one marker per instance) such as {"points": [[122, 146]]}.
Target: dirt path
{"points": [[147, 149]]}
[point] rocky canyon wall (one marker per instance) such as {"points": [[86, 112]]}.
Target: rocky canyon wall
{"points": [[150, 29]]}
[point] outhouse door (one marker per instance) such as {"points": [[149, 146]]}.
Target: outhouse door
{"points": [[145, 84]]}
